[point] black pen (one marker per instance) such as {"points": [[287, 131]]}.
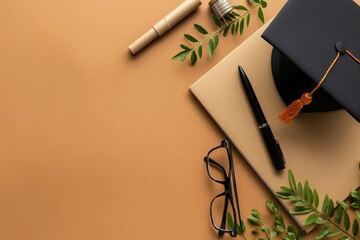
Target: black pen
{"points": [[272, 144]]}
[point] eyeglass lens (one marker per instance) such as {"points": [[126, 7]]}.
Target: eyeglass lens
{"points": [[220, 169]]}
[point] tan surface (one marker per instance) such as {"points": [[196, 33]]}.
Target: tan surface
{"points": [[95, 143], [319, 147]]}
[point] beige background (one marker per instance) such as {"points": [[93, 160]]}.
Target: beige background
{"points": [[96, 143]]}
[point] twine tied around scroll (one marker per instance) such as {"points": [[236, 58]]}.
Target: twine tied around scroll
{"points": [[289, 113]]}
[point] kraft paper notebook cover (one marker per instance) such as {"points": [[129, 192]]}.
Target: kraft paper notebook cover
{"points": [[319, 147]]}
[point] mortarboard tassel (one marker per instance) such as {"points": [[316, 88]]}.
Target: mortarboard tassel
{"points": [[289, 113]]}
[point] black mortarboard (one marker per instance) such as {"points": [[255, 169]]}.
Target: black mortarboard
{"points": [[317, 50]]}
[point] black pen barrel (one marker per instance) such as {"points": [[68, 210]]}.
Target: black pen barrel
{"points": [[273, 147], [259, 115]]}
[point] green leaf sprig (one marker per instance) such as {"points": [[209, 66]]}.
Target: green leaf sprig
{"points": [[334, 221], [235, 23], [279, 230]]}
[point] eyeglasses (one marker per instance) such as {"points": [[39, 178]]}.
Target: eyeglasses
{"points": [[220, 169]]}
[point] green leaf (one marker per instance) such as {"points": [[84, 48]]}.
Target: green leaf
{"points": [[311, 219], [300, 204], [355, 205], [357, 214], [344, 238], [333, 233], [308, 193], [236, 27], [271, 206], [291, 229], [193, 58], [228, 18], [320, 221], [292, 236], [273, 234], [230, 220], [256, 230], [299, 211], [232, 28], [242, 26], [190, 38], [294, 198], [216, 41], [200, 51], [283, 195], [234, 15], [355, 194], [240, 7], [279, 228], [325, 205], [254, 220], [181, 55], [342, 204], [247, 20], [331, 208], [316, 198], [323, 232], [300, 189], [355, 227], [255, 213], [292, 181], [184, 47], [241, 228], [200, 29], [261, 15], [266, 229], [279, 220], [286, 189], [339, 215], [263, 4], [211, 48], [226, 30], [216, 20], [346, 220]]}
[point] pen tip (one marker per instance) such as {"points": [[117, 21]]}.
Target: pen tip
{"points": [[241, 70]]}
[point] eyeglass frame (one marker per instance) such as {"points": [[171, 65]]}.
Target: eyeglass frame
{"points": [[229, 179]]}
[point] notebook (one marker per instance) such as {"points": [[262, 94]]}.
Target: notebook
{"points": [[322, 148]]}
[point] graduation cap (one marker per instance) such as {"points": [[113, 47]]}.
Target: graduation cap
{"points": [[315, 60]]}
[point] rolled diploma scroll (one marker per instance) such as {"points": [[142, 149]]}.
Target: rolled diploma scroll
{"points": [[165, 24]]}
